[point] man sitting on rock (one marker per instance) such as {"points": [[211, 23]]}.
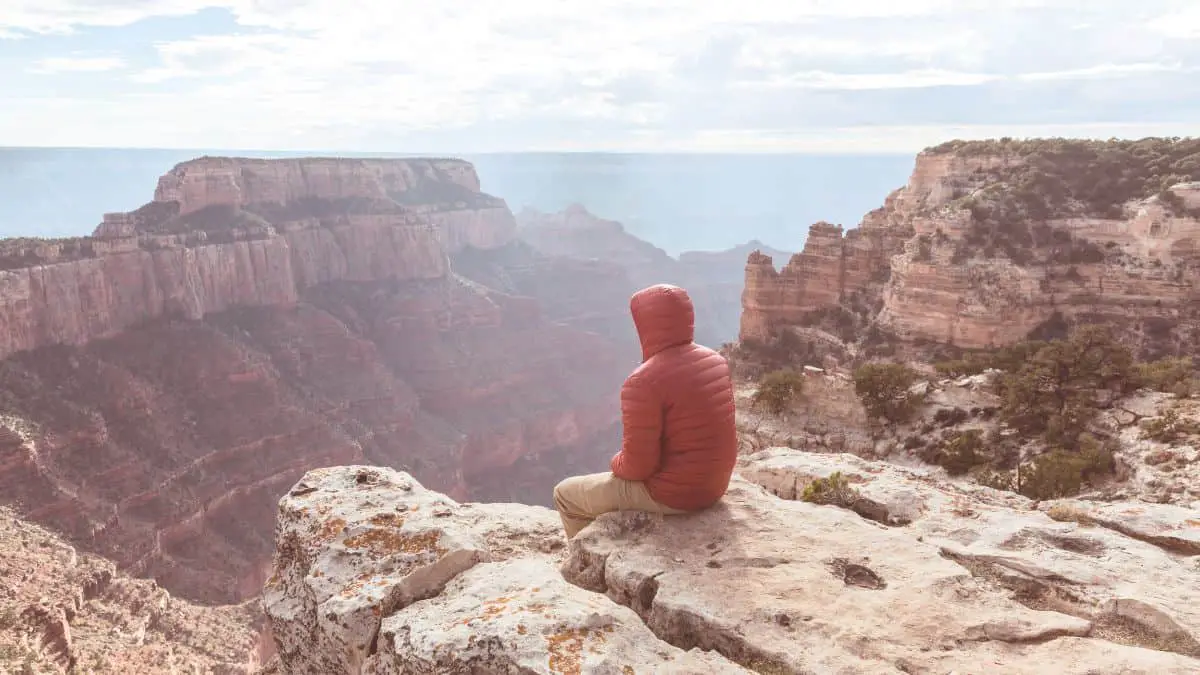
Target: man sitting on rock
{"points": [[679, 441]]}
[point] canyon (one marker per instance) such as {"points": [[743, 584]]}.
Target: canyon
{"points": [[713, 278], [376, 371], [991, 241], [164, 380]]}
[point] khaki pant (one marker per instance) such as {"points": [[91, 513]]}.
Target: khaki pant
{"points": [[581, 499]]}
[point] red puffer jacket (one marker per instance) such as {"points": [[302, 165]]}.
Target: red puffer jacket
{"points": [[677, 407]]}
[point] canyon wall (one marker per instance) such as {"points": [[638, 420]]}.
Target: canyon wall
{"points": [[984, 246], [832, 267], [205, 244], [620, 263], [166, 379]]}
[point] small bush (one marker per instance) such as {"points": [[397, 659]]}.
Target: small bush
{"points": [[997, 480], [961, 453], [884, 388], [1059, 473], [1172, 375], [1055, 393], [777, 390], [948, 417], [8, 617], [1170, 427], [960, 367], [834, 490], [1066, 513]]}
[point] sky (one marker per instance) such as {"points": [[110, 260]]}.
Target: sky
{"points": [[471, 76]]}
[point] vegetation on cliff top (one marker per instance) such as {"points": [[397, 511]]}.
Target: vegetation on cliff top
{"points": [[1049, 442], [1056, 177], [1051, 393], [778, 389]]}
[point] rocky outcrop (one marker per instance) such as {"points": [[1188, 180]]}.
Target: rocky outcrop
{"points": [[618, 264], [62, 611], [906, 573], [981, 248], [165, 383], [833, 267], [225, 232], [376, 574]]}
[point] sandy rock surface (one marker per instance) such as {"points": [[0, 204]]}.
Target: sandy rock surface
{"points": [[963, 579], [376, 574]]}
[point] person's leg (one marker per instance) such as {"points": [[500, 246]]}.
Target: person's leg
{"points": [[580, 499]]}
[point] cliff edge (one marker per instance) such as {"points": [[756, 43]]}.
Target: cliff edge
{"points": [[990, 241], [233, 232], [895, 572]]}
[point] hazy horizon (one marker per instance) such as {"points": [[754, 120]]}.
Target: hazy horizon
{"points": [[677, 201]]}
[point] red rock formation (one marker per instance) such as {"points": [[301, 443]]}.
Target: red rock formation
{"points": [[231, 232], [1139, 272], [620, 263], [825, 273], [62, 610], [170, 377]]}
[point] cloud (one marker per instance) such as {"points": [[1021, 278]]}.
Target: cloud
{"points": [[477, 75], [78, 64]]}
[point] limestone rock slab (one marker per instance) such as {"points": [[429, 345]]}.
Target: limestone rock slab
{"points": [[356, 543], [975, 580], [520, 616]]}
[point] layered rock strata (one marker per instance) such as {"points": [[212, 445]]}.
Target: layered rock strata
{"points": [[63, 611], [620, 264], [950, 273], [226, 232], [375, 574], [833, 267], [168, 379]]}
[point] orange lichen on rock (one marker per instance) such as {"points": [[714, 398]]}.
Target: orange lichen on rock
{"points": [[324, 532], [386, 542], [491, 609], [388, 519], [566, 649]]}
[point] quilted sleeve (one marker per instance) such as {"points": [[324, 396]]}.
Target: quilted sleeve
{"points": [[642, 423]]}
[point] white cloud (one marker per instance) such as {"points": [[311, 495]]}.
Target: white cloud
{"points": [[1108, 71], [859, 81], [64, 16], [1183, 23], [314, 74], [78, 64]]}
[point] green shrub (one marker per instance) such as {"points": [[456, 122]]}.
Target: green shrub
{"points": [[1172, 375], [1062, 473], [961, 453], [884, 388], [9, 617], [997, 479], [777, 390], [948, 417], [834, 490], [1056, 392], [1169, 428], [960, 367]]}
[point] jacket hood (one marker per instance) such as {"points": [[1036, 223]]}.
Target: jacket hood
{"points": [[664, 317]]}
